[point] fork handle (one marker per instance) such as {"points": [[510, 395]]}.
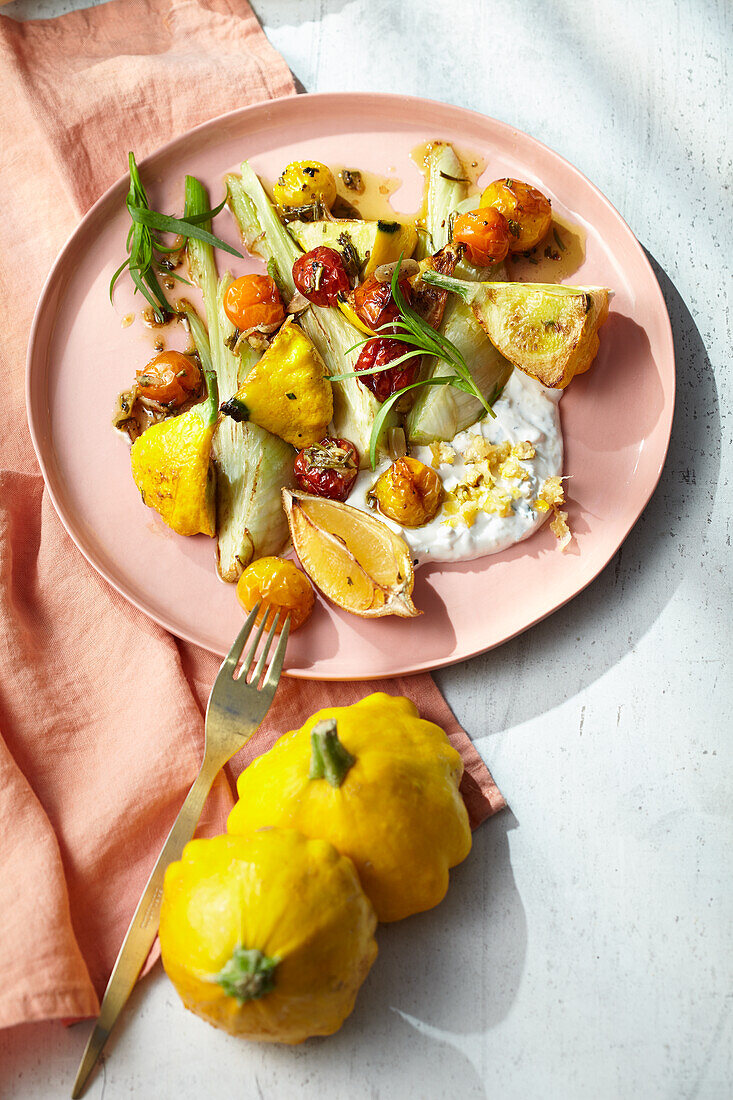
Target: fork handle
{"points": [[143, 926]]}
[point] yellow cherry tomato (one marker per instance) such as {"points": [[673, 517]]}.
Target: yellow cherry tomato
{"points": [[304, 182], [527, 211], [280, 586], [409, 492]]}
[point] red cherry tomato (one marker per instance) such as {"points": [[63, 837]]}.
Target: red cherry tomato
{"points": [[170, 378], [485, 233], [374, 304], [378, 353], [327, 469], [252, 301], [320, 276]]}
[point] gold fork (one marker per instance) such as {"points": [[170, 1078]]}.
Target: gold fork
{"points": [[235, 710]]}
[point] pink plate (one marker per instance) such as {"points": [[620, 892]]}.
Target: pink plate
{"points": [[616, 419]]}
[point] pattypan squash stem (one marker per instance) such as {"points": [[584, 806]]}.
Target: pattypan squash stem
{"points": [[248, 975], [329, 759]]}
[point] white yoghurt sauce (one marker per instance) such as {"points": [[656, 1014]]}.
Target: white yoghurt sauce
{"points": [[526, 410]]}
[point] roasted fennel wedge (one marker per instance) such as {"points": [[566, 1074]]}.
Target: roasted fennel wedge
{"points": [[252, 466], [257, 466], [446, 185], [440, 412], [354, 406]]}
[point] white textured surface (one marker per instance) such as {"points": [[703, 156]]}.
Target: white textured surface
{"points": [[584, 949]]}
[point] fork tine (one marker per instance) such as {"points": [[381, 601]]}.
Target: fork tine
{"points": [[278, 657], [252, 651], [230, 661], [265, 650]]}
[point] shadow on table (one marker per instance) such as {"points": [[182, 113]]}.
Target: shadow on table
{"points": [[33, 1056], [559, 657], [439, 976]]}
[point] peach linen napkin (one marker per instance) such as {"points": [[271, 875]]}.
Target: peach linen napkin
{"points": [[101, 728]]}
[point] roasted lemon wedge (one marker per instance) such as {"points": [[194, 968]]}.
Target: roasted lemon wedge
{"points": [[354, 558]]}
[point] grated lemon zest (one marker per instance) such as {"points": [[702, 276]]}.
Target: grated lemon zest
{"points": [[479, 491], [560, 529], [512, 468], [551, 494], [524, 450], [442, 453], [479, 448]]}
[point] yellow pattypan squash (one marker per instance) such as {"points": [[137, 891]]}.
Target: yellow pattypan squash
{"points": [[287, 391], [381, 784], [171, 464], [268, 936]]}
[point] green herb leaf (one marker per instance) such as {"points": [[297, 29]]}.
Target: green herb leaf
{"points": [[142, 245], [414, 330], [164, 223], [381, 416], [173, 275], [377, 370]]}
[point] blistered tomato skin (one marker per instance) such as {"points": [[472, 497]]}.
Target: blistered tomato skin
{"points": [[280, 586], [527, 210], [320, 276], [485, 233], [409, 492], [374, 304], [304, 182], [253, 301], [328, 469], [171, 378], [379, 352]]}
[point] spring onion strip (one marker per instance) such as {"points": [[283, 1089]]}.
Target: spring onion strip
{"points": [[447, 282], [208, 410]]}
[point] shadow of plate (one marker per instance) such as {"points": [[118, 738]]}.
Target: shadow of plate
{"points": [[560, 656]]}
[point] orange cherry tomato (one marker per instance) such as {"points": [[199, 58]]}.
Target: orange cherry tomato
{"points": [[252, 301], [279, 586], [171, 378], [485, 233]]}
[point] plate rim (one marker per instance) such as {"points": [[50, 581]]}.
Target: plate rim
{"points": [[353, 98]]}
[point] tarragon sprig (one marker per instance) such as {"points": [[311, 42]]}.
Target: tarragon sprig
{"points": [[144, 245], [414, 330]]}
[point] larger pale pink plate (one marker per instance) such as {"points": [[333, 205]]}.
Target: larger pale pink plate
{"points": [[616, 419]]}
